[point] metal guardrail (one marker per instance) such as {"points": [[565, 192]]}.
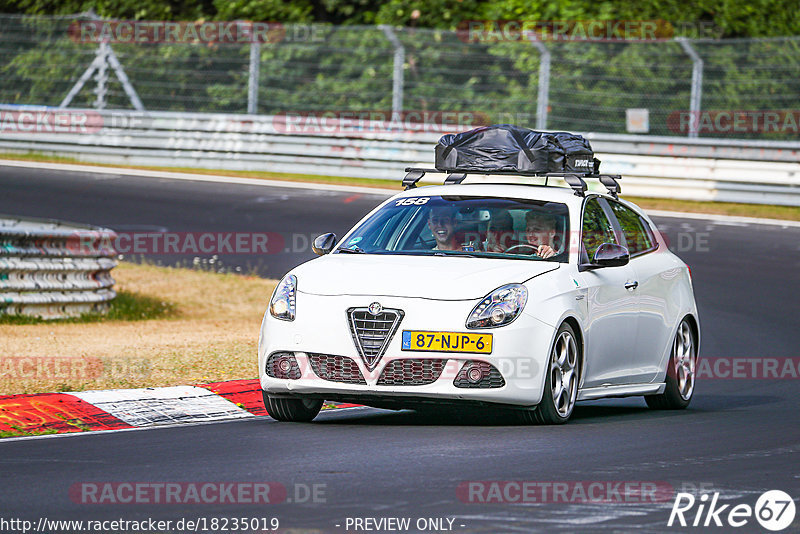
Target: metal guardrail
{"points": [[52, 269], [751, 171]]}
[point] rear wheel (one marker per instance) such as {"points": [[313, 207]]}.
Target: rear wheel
{"points": [[680, 372], [291, 410], [561, 382]]}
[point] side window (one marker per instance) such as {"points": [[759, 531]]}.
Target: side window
{"points": [[597, 228], [381, 230], [637, 232]]}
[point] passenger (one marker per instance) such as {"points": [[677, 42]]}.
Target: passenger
{"points": [[441, 221], [500, 234], [541, 233]]}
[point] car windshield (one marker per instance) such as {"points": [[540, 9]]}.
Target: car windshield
{"points": [[465, 226]]}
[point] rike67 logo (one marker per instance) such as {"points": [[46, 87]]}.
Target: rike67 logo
{"points": [[774, 510]]}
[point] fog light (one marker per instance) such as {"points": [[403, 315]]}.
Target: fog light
{"points": [[474, 374], [284, 365]]}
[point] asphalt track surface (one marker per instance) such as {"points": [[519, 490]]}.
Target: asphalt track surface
{"points": [[739, 437]]}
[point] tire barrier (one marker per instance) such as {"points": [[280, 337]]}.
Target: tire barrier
{"points": [[52, 269]]}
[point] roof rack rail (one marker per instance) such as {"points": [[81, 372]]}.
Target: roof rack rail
{"points": [[576, 180]]}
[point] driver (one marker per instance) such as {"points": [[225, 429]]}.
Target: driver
{"points": [[540, 233], [441, 221]]}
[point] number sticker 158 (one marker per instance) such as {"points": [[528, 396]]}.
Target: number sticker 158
{"points": [[414, 201]]}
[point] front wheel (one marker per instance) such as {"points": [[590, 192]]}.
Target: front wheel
{"points": [[561, 382], [291, 410], [680, 372]]}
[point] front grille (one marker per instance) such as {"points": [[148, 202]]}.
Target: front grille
{"points": [[372, 332], [411, 372], [490, 377], [336, 368], [283, 365]]}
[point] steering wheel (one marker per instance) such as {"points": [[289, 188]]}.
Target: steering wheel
{"points": [[522, 245]]}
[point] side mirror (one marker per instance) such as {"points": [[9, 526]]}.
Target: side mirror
{"points": [[324, 244], [610, 255]]}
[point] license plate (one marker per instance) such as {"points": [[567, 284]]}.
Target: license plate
{"points": [[447, 342]]}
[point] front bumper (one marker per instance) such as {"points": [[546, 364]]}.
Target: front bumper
{"points": [[520, 352]]}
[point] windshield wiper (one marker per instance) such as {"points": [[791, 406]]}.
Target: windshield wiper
{"points": [[355, 249], [457, 253]]}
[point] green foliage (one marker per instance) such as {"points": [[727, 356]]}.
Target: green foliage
{"points": [[446, 14], [120, 9], [321, 66], [731, 18], [347, 11], [263, 10], [338, 70]]}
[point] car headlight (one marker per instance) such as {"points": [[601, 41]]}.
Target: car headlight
{"points": [[499, 307], [282, 305]]}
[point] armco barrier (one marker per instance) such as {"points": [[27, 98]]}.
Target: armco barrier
{"points": [[752, 171], [52, 269]]}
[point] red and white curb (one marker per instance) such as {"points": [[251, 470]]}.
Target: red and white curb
{"points": [[131, 408], [160, 406]]}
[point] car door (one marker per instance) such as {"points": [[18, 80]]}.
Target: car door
{"points": [[612, 308], [655, 277]]}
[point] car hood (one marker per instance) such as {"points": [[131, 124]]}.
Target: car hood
{"points": [[432, 277]]}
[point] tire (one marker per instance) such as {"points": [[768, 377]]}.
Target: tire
{"points": [[291, 410], [564, 364], [681, 372]]}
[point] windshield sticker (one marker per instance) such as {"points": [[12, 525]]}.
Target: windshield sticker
{"points": [[415, 201]]}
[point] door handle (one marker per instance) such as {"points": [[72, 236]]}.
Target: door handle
{"points": [[631, 284]]}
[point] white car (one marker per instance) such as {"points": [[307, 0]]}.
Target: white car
{"points": [[523, 297]]}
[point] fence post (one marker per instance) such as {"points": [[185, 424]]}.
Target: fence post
{"points": [[95, 65], [397, 74], [543, 98], [252, 81], [101, 77], [104, 58], [697, 84], [111, 57]]}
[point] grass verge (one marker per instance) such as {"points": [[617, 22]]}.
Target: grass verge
{"points": [[172, 326], [126, 306], [790, 213], [19, 432], [785, 213], [263, 175]]}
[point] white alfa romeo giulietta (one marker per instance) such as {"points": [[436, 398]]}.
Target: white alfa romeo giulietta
{"points": [[519, 297]]}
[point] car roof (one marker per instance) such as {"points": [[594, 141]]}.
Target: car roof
{"points": [[534, 192]]}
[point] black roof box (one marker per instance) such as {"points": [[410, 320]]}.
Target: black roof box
{"points": [[509, 148]]}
